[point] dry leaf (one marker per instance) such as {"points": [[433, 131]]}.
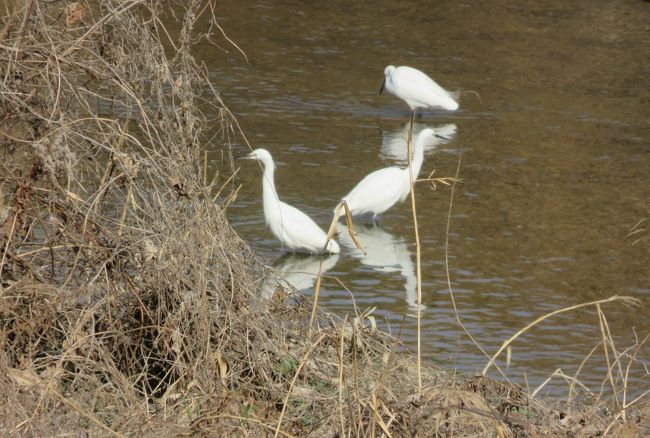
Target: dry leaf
{"points": [[74, 12], [25, 378], [223, 368], [149, 251]]}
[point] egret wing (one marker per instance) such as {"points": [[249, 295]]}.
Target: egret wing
{"points": [[418, 87], [299, 231], [377, 192]]}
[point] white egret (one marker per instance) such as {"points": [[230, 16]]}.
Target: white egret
{"points": [[416, 88], [383, 188], [294, 229]]}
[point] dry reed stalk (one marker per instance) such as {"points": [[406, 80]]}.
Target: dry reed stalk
{"points": [[418, 262], [623, 299], [319, 278], [357, 381], [330, 235], [637, 350], [350, 227], [341, 376], [453, 181], [574, 380], [377, 417], [609, 341]]}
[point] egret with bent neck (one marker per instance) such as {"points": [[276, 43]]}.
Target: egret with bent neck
{"points": [[416, 89], [383, 188]]}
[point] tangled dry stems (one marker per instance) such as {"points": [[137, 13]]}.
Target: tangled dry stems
{"points": [[127, 303]]}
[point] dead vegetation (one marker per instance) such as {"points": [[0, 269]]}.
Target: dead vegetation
{"points": [[128, 306]]}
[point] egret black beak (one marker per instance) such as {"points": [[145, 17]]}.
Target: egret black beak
{"points": [[244, 157], [382, 86], [442, 137]]}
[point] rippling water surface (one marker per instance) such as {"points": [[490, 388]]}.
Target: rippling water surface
{"points": [[555, 164]]}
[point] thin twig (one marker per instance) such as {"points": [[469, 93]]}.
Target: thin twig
{"points": [[506, 343], [418, 262]]}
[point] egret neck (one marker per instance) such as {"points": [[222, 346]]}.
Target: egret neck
{"points": [[269, 194], [418, 156]]}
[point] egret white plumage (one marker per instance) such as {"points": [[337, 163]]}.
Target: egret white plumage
{"points": [[416, 88], [383, 188], [294, 229]]}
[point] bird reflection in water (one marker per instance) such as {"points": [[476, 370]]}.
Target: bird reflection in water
{"points": [[384, 253], [393, 144], [299, 271]]}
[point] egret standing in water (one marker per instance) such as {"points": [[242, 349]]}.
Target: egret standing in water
{"points": [[294, 229], [383, 188], [416, 89]]}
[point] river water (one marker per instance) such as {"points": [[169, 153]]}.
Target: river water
{"points": [[555, 165]]}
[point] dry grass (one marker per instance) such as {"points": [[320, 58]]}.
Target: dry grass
{"points": [[128, 306]]}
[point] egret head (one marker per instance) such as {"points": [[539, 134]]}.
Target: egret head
{"points": [[424, 137], [387, 72], [260, 155], [427, 132]]}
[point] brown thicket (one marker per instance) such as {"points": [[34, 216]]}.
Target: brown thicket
{"points": [[128, 306]]}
